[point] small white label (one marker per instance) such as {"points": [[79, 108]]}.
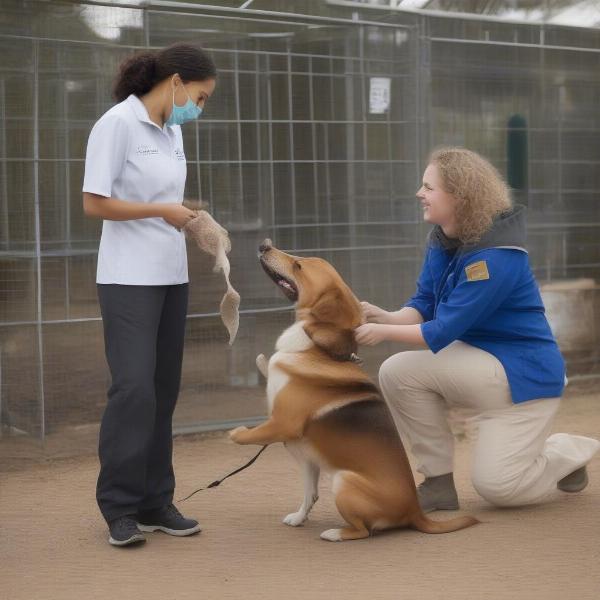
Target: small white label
{"points": [[379, 95], [144, 150]]}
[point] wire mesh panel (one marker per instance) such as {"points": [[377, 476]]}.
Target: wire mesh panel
{"points": [[484, 77], [316, 137], [289, 150]]}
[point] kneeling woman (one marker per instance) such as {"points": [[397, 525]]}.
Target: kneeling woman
{"points": [[479, 312]]}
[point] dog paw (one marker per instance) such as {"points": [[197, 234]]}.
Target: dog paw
{"points": [[295, 519], [236, 433], [332, 535]]}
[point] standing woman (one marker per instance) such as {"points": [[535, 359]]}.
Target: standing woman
{"points": [[490, 350], [135, 171]]}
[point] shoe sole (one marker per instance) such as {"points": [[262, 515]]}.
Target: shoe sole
{"points": [[576, 487], [175, 532], [134, 539]]}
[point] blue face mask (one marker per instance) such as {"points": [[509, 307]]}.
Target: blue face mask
{"points": [[181, 114]]}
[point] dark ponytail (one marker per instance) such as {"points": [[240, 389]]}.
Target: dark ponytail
{"points": [[139, 73]]}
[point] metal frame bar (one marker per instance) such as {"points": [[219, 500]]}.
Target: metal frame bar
{"points": [[5, 229], [67, 174], [258, 130], [456, 15], [180, 7], [36, 192], [236, 86], [255, 311], [270, 129], [305, 121], [541, 46], [313, 139], [205, 426], [291, 143]]}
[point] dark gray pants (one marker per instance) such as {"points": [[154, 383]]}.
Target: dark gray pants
{"points": [[143, 335]]}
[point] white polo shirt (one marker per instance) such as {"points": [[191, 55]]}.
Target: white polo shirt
{"points": [[132, 159]]}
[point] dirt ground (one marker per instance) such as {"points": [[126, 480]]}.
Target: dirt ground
{"points": [[53, 542]]}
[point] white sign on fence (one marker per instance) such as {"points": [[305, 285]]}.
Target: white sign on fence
{"points": [[379, 95]]}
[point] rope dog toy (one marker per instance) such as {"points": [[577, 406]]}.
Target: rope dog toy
{"points": [[214, 240]]}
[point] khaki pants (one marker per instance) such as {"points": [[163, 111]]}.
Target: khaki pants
{"points": [[515, 462]]}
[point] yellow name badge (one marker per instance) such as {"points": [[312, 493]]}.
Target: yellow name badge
{"points": [[477, 271]]}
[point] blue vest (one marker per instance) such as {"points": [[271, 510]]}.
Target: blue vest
{"points": [[489, 298]]}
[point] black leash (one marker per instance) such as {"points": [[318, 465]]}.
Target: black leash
{"points": [[216, 483]]}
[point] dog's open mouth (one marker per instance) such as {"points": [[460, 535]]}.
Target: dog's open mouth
{"points": [[285, 285]]}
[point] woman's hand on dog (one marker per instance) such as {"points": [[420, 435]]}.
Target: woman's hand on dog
{"points": [[374, 314], [371, 334]]}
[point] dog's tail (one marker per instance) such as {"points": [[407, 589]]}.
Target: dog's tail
{"points": [[422, 523]]}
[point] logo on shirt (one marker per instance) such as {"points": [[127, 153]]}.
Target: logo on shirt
{"points": [[146, 150], [477, 271], [179, 154]]}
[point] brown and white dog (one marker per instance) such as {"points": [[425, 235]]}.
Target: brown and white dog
{"points": [[328, 412]]}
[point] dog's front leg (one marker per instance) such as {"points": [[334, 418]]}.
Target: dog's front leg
{"points": [[268, 432], [310, 473]]}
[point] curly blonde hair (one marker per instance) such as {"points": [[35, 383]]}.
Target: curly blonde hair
{"points": [[478, 188]]}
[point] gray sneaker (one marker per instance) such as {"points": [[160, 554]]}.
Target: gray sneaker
{"points": [[438, 493], [124, 532], [575, 482], [167, 519]]}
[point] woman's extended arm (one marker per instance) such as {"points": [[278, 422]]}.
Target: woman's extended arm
{"points": [[113, 209], [371, 334], [404, 316]]}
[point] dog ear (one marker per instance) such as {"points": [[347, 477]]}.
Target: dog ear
{"points": [[327, 308], [338, 343], [331, 326]]}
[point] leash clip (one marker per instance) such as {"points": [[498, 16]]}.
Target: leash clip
{"points": [[356, 359]]}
